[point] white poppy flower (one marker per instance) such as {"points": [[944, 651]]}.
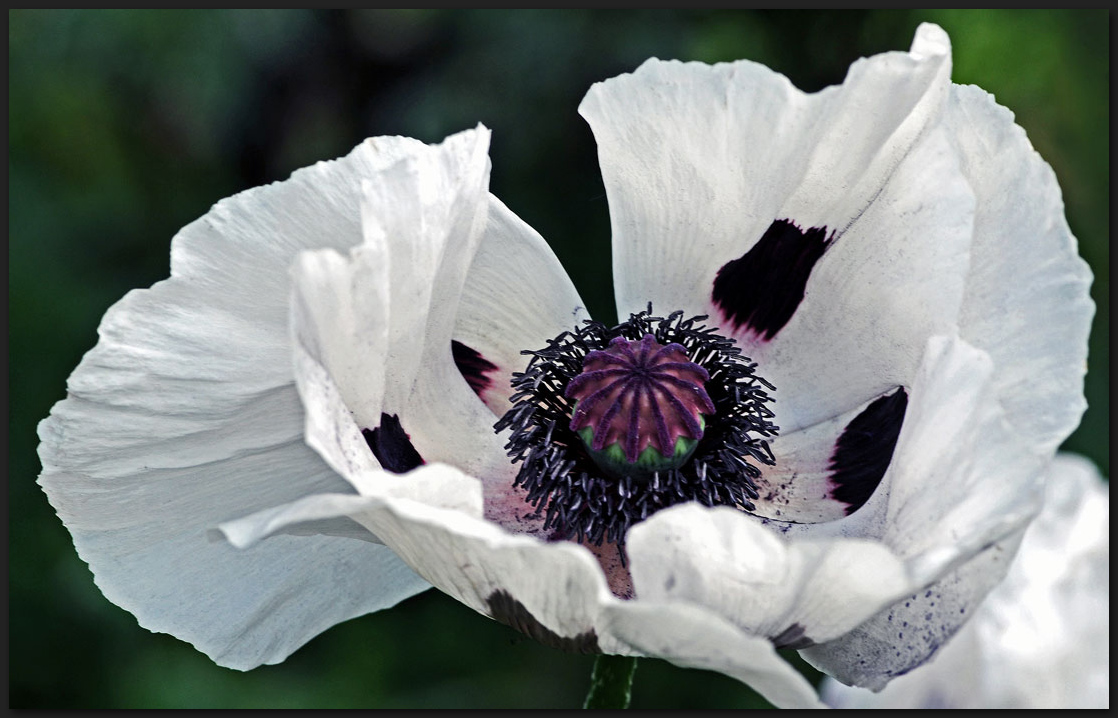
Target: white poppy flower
{"points": [[331, 353], [1041, 639]]}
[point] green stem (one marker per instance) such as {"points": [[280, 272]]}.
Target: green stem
{"points": [[611, 682]]}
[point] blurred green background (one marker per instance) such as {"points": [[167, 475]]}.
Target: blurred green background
{"points": [[126, 125]]}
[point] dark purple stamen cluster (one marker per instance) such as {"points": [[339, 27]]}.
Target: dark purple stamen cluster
{"points": [[577, 499]]}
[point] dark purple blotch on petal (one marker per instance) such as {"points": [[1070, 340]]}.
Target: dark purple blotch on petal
{"points": [[761, 290], [506, 609], [792, 637], [865, 448], [475, 368], [392, 446]]}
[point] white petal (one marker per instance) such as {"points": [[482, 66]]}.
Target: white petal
{"points": [[698, 161], [1052, 613], [908, 633], [451, 490], [559, 585], [426, 266], [1040, 640], [373, 329], [702, 173], [690, 637], [554, 592], [339, 318], [959, 480], [956, 498], [796, 592], [249, 530], [185, 415], [331, 430], [870, 123], [891, 280], [445, 190], [517, 296], [1027, 305], [378, 320], [1027, 300]]}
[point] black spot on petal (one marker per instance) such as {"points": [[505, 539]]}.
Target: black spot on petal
{"points": [[392, 446], [865, 448], [473, 366], [793, 637], [506, 609], [762, 289]]}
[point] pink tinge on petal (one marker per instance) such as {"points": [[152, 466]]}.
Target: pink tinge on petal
{"points": [[613, 563]]}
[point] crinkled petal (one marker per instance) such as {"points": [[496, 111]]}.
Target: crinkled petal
{"points": [[288, 518], [701, 164], [379, 321], [1027, 306], [691, 637], [698, 161], [893, 278], [908, 633], [553, 592], [554, 589], [445, 191], [1027, 301], [331, 430], [1040, 639], [517, 296], [955, 500], [339, 327], [185, 415], [959, 480], [795, 592], [386, 313], [942, 503]]}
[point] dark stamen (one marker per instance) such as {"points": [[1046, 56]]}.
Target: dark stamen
{"points": [[681, 378]]}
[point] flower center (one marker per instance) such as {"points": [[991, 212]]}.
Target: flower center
{"points": [[610, 425], [640, 406]]}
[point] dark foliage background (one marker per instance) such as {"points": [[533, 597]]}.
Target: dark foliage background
{"points": [[126, 125]]}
